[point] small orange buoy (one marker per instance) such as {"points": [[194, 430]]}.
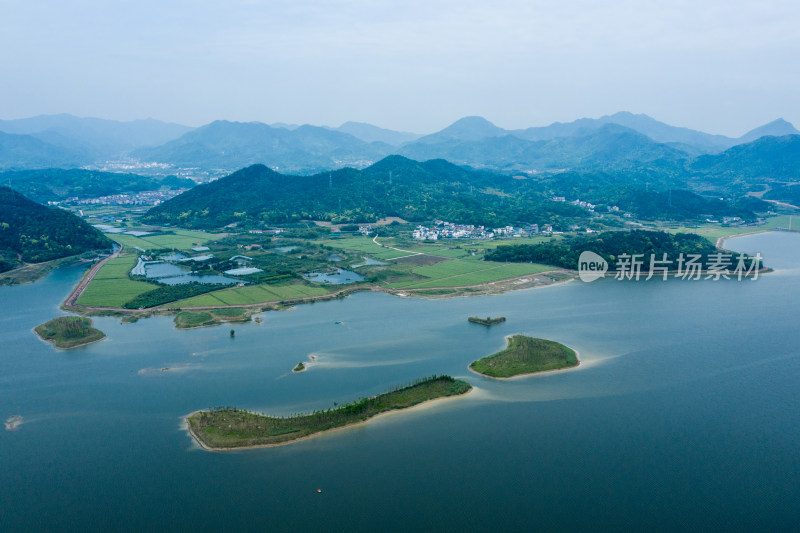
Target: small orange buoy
{"points": [[319, 490]]}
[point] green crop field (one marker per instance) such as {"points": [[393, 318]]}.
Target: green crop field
{"points": [[450, 268], [111, 286], [254, 294], [712, 232], [365, 245], [181, 240], [466, 273], [204, 300], [118, 267], [438, 250], [112, 292], [492, 243]]}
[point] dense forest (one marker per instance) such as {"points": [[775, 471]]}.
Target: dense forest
{"points": [[435, 189], [395, 186], [33, 233], [647, 196], [789, 194], [610, 245]]}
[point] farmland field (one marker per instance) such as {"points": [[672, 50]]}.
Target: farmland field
{"points": [[365, 244], [251, 295], [111, 287], [441, 251], [712, 232], [181, 240], [466, 273]]}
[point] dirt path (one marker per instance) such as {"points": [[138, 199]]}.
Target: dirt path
{"points": [[782, 204], [70, 302], [411, 254]]}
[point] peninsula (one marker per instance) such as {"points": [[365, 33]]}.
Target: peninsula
{"points": [[525, 355], [231, 428], [69, 332]]}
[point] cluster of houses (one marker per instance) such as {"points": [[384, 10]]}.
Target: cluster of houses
{"points": [[731, 221], [267, 231], [449, 230], [140, 198], [579, 203]]}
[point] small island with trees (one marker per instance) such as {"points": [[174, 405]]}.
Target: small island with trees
{"points": [[226, 428], [488, 321], [526, 355], [69, 332]]}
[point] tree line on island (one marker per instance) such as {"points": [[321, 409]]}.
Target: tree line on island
{"points": [[229, 427]]}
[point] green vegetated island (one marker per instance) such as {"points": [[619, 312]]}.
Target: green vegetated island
{"points": [[526, 355], [488, 321], [69, 332], [228, 428]]}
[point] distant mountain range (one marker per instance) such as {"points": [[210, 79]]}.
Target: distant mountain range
{"points": [[766, 157], [610, 146], [369, 133], [69, 141], [232, 145], [617, 142]]}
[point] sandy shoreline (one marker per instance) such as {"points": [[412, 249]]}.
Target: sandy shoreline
{"points": [[530, 374], [721, 240], [427, 403]]}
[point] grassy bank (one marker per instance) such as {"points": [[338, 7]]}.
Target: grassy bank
{"points": [[69, 332], [226, 428], [212, 317], [525, 355]]}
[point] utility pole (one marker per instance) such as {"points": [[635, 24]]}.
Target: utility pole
{"points": [[390, 178], [330, 180]]}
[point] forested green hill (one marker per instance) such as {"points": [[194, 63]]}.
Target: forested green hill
{"points": [[34, 233]]}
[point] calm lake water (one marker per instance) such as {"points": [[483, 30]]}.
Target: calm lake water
{"points": [[683, 415], [339, 277], [175, 275]]}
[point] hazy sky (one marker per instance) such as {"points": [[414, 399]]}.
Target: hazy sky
{"points": [[722, 66]]}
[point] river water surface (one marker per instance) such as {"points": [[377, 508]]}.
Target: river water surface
{"points": [[683, 414]]}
